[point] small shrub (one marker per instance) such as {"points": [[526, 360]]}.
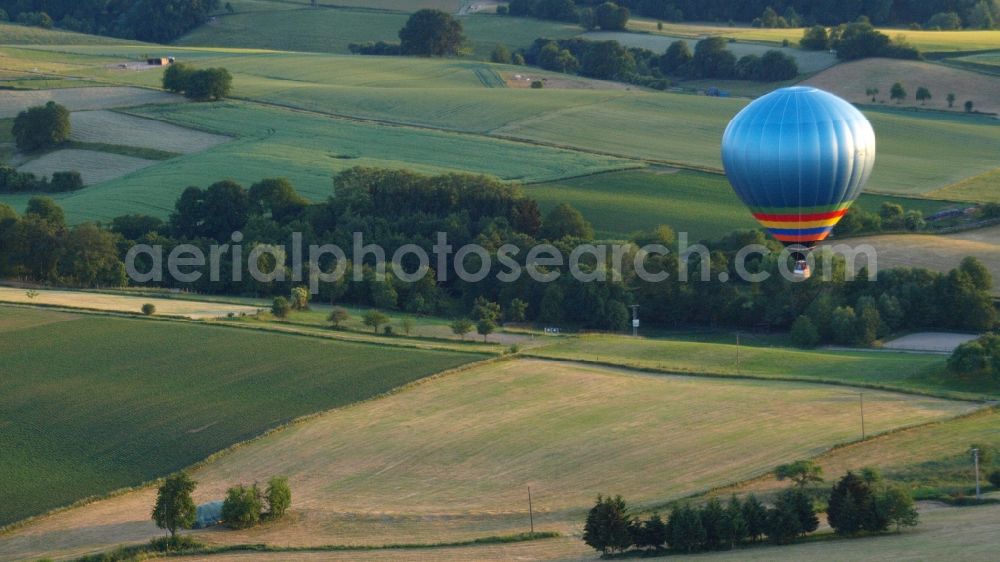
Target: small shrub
{"points": [[279, 497], [537, 85], [281, 308], [387, 330], [995, 478], [514, 349], [242, 507], [149, 309]]}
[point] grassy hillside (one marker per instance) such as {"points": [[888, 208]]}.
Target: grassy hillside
{"points": [[455, 454], [91, 404], [332, 29], [13, 34], [904, 371]]}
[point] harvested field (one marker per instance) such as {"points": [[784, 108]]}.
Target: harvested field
{"points": [[984, 188], [108, 127], [850, 80], [78, 99], [450, 459], [940, 342], [122, 303], [95, 167], [937, 253]]}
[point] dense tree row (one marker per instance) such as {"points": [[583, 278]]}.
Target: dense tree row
{"points": [[13, 181], [857, 40], [393, 208], [608, 60], [198, 84], [158, 21], [856, 504]]}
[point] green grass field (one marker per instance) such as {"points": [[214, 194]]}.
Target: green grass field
{"points": [[904, 371], [455, 454], [13, 34], [309, 150], [701, 204], [82, 416], [331, 30]]}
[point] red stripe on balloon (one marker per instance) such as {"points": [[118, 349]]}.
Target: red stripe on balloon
{"points": [[799, 218], [801, 237]]}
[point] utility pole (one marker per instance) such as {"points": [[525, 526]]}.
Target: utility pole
{"points": [[975, 459], [635, 319], [531, 513], [861, 397]]}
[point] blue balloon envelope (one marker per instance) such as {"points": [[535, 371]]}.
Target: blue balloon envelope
{"points": [[798, 157]]}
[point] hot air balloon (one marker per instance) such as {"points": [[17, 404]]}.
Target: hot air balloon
{"points": [[798, 157]]}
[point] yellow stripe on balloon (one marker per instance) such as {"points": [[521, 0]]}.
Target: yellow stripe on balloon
{"points": [[799, 224]]}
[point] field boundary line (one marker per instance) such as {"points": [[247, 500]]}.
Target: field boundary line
{"points": [[239, 444], [748, 376]]}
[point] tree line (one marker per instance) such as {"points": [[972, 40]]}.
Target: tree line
{"points": [[394, 207], [857, 40], [856, 505], [971, 13], [158, 21], [244, 506], [35, 129]]}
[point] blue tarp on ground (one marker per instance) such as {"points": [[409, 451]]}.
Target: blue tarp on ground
{"points": [[209, 514]]}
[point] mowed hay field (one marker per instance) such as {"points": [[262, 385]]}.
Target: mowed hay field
{"points": [[460, 449], [78, 99], [850, 80], [11, 34], [108, 127], [94, 167], [937, 253], [123, 303], [929, 457], [904, 371], [89, 404]]}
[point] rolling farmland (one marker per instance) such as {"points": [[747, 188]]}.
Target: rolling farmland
{"points": [[94, 167], [851, 80], [460, 449], [192, 391], [79, 99], [108, 127], [332, 29]]}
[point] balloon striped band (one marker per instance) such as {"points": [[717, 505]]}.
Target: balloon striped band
{"points": [[803, 225]]}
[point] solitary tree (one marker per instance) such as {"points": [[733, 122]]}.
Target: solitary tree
{"points": [[279, 497], [968, 106], [897, 92], [174, 507], [300, 298], [149, 309], [337, 316], [406, 324], [923, 94], [461, 326], [500, 54], [373, 319], [41, 127], [431, 33], [281, 308], [896, 504], [951, 99], [871, 92], [485, 327]]}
